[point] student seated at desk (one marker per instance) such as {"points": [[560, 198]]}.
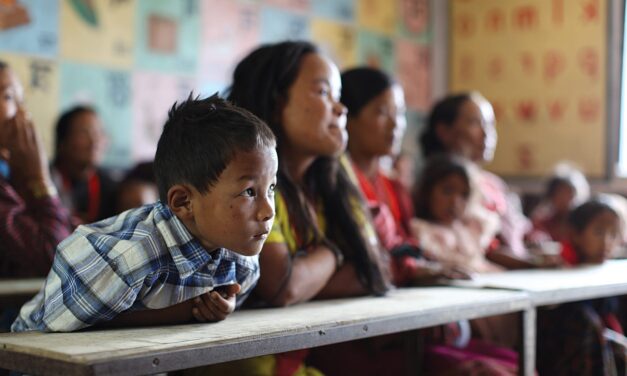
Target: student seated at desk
{"points": [[33, 219], [571, 336], [192, 255], [376, 124], [447, 229], [321, 245], [566, 189]]}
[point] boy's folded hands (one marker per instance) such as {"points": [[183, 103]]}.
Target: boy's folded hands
{"points": [[215, 305]]}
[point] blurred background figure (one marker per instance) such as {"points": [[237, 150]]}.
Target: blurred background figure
{"points": [[85, 188]]}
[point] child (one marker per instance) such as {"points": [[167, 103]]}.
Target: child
{"points": [[570, 336], [446, 233], [137, 188], [185, 257], [593, 233], [567, 188]]}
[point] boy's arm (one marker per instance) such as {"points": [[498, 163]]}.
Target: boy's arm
{"points": [[209, 307], [177, 314]]}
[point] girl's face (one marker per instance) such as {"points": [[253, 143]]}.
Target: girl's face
{"points": [[472, 134], [378, 128], [598, 239], [448, 199], [314, 121]]}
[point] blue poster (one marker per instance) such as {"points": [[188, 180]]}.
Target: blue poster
{"points": [[30, 26], [279, 25], [109, 91]]}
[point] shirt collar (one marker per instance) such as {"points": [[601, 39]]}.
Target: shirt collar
{"points": [[188, 254]]}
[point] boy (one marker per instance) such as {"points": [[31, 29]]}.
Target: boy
{"points": [[163, 263]]}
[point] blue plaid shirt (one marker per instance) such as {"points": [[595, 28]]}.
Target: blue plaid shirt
{"points": [[144, 258]]}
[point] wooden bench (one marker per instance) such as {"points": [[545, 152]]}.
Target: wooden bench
{"points": [[255, 332]]}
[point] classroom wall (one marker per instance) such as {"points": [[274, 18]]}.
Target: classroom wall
{"points": [[133, 59], [545, 66]]}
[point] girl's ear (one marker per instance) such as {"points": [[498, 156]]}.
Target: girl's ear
{"points": [[180, 201]]}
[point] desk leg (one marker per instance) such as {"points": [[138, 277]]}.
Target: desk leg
{"points": [[527, 346]]}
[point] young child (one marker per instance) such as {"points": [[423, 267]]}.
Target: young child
{"points": [[445, 230], [566, 189], [593, 233], [185, 257], [137, 188], [571, 336]]}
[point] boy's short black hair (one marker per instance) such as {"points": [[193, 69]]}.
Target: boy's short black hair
{"points": [[580, 217], [200, 138]]}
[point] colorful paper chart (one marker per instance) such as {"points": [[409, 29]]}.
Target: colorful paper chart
{"points": [[97, 32], [543, 65], [31, 27]]}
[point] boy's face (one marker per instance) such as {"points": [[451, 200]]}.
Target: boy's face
{"points": [[598, 239], [238, 211]]}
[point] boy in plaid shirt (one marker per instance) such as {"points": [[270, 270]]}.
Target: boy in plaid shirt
{"points": [[190, 256]]}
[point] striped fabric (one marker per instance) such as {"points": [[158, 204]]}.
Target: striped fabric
{"points": [[143, 258]]}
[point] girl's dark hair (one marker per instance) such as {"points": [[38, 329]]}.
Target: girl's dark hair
{"points": [[444, 112], [361, 85], [260, 84], [64, 123], [3, 65], [558, 181], [580, 217], [437, 167]]}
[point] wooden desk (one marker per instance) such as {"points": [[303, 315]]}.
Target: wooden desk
{"points": [[554, 286], [252, 333]]}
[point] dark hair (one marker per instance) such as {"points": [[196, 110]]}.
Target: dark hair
{"points": [[558, 181], [3, 65], [260, 84], [444, 112], [580, 217], [142, 172], [361, 85], [437, 168], [65, 121], [200, 138]]}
